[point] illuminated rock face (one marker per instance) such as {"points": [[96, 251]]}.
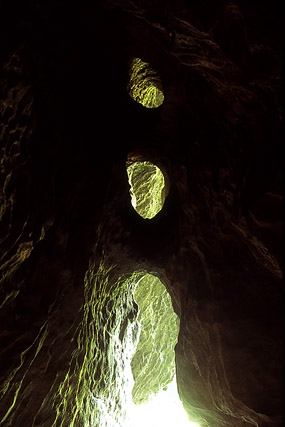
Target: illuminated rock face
{"points": [[145, 84], [72, 247], [153, 364], [106, 339], [147, 188]]}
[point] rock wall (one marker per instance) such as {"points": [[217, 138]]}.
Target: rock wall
{"points": [[72, 244], [153, 363]]}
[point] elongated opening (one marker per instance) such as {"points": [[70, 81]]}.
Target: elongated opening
{"points": [[153, 364], [147, 188], [144, 84], [154, 394]]}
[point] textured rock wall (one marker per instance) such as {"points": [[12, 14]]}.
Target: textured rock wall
{"points": [[70, 239], [153, 364], [147, 188], [145, 85]]}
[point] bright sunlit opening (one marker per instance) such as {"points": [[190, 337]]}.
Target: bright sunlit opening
{"points": [[165, 409], [147, 188], [145, 85]]}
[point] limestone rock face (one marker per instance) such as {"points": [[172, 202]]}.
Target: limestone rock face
{"points": [[73, 248], [153, 363], [147, 188], [145, 84]]}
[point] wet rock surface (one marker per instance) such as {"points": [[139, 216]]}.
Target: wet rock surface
{"points": [[72, 246]]}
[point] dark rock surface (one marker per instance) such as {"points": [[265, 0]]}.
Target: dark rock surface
{"points": [[70, 239]]}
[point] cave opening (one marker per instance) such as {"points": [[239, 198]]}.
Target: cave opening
{"points": [[145, 85], [155, 400], [147, 188]]}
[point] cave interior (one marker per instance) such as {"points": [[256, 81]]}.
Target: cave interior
{"points": [[191, 91]]}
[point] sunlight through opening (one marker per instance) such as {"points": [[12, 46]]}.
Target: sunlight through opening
{"points": [[165, 410], [144, 84], [155, 400], [147, 188]]}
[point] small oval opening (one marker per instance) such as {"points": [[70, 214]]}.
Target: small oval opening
{"points": [[148, 188], [145, 84]]}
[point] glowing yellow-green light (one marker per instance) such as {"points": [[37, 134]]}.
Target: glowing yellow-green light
{"points": [[155, 400], [153, 364], [147, 188], [145, 84]]}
